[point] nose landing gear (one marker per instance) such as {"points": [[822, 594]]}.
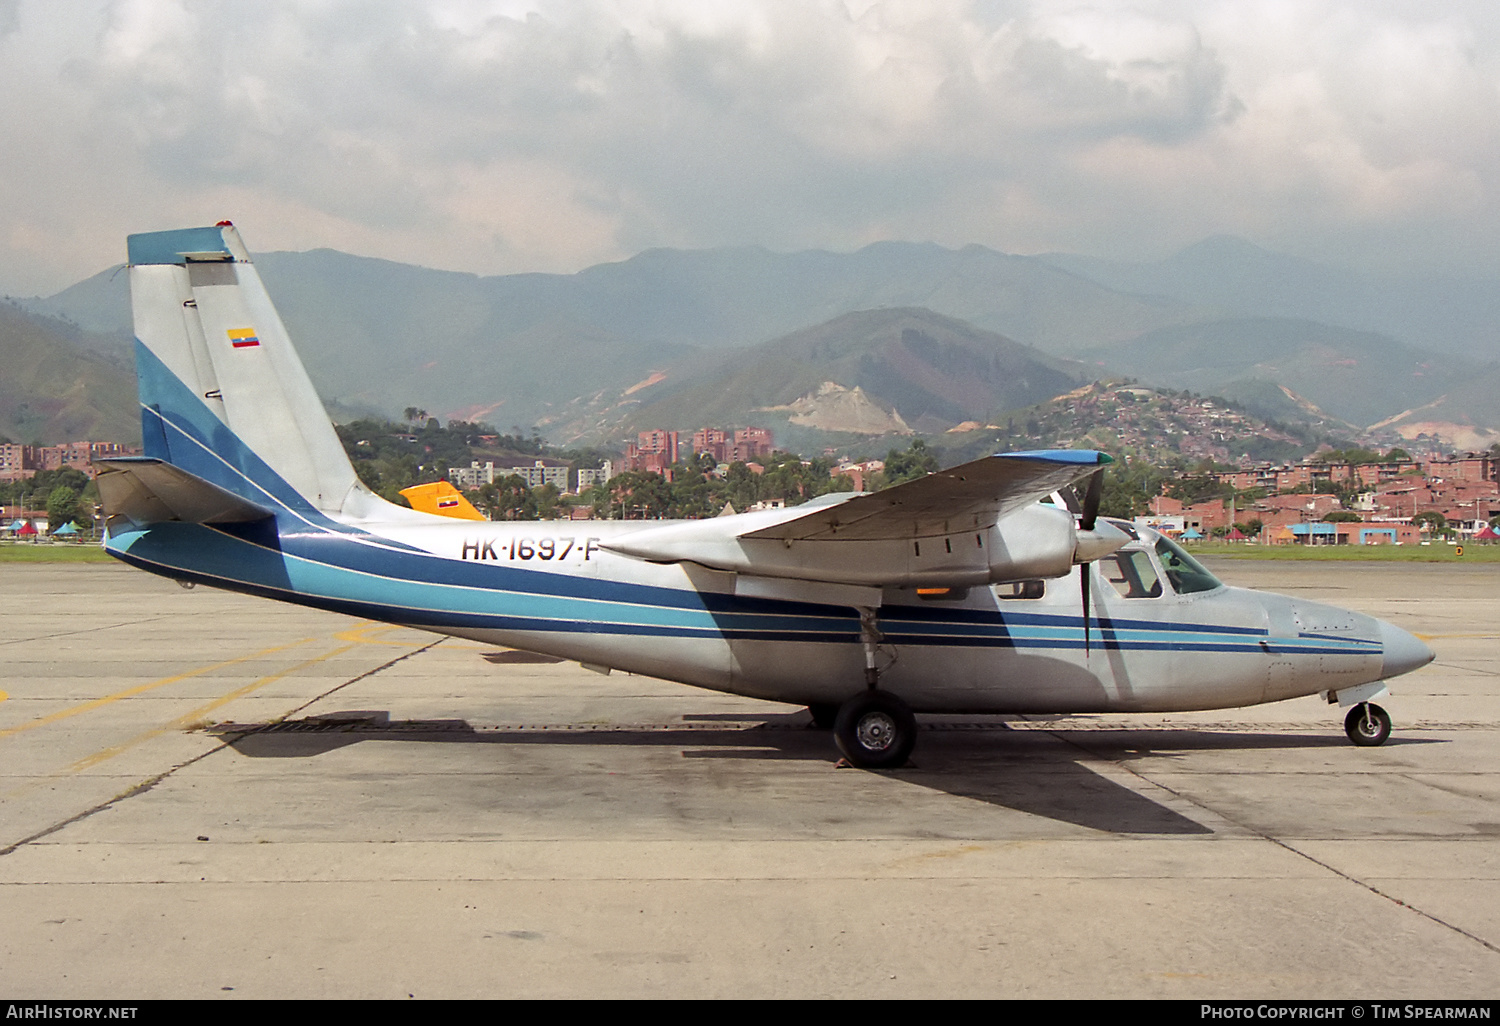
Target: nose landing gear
{"points": [[1367, 725]]}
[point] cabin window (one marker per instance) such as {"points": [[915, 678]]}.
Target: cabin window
{"points": [[1184, 573], [1021, 590], [1132, 574]]}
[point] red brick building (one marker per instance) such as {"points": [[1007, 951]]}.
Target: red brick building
{"points": [[652, 452], [22, 461]]}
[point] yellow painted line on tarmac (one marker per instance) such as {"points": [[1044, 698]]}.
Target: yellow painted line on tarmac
{"points": [[143, 688], [199, 714], [361, 634], [1432, 637]]}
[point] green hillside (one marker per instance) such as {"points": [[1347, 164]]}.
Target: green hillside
{"points": [[930, 371], [57, 386]]}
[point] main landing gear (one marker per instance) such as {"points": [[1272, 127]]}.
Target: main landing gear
{"points": [[1367, 725], [874, 729]]}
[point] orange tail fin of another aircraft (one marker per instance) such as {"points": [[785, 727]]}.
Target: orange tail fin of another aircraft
{"points": [[442, 498]]}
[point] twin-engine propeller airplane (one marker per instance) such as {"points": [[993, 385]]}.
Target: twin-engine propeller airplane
{"points": [[960, 592]]}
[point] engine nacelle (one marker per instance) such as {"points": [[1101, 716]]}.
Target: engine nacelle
{"points": [[1033, 542]]}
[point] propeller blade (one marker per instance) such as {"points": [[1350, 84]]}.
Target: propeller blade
{"points": [[1088, 519], [1083, 587], [1090, 512]]}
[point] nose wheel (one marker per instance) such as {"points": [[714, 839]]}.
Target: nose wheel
{"points": [[1367, 725]]}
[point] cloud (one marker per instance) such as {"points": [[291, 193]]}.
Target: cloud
{"points": [[504, 136]]}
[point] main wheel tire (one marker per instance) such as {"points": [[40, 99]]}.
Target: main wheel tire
{"points": [[875, 730], [824, 715], [1367, 725]]}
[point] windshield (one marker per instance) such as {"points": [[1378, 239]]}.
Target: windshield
{"points": [[1184, 573]]}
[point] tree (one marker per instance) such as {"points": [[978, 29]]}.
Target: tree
{"points": [[1128, 488], [917, 461], [634, 495], [1198, 488], [1430, 522], [514, 499], [62, 507]]}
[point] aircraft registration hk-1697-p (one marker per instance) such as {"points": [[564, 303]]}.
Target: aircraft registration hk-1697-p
{"points": [[960, 592]]}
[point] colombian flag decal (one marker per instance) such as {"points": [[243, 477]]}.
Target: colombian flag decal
{"points": [[243, 338]]}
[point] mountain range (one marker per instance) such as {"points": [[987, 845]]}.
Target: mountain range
{"points": [[894, 337]]}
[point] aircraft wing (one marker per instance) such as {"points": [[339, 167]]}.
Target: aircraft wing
{"points": [[878, 540], [974, 496]]}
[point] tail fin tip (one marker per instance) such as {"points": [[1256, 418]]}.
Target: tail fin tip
{"points": [[186, 245]]}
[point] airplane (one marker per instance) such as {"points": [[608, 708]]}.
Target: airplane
{"points": [[960, 592]]}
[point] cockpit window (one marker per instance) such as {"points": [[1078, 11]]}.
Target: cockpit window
{"points": [[1131, 573], [1185, 573]]}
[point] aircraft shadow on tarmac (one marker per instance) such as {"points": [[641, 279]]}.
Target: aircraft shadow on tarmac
{"points": [[1039, 772]]}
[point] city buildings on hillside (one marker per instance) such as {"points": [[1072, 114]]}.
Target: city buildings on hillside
{"points": [[654, 451], [534, 472], [1473, 467], [588, 478], [859, 473], [18, 462], [1463, 490]]}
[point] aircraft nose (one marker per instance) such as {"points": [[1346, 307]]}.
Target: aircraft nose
{"points": [[1403, 653]]}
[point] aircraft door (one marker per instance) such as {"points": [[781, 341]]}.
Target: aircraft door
{"points": [[1134, 583]]}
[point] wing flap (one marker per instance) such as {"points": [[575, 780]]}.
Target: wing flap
{"points": [[148, 490], [970, 497]]}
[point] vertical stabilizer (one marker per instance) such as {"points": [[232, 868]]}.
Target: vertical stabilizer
{"points": [[223, 393]]}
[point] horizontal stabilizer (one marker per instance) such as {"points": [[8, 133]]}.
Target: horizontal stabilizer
{"points": [[147, 490], [971, 497]]}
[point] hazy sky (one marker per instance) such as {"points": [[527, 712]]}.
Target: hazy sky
{"points": [[512, 136]]}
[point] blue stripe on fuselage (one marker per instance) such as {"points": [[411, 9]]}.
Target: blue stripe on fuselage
{"points": [[336, 572]]}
